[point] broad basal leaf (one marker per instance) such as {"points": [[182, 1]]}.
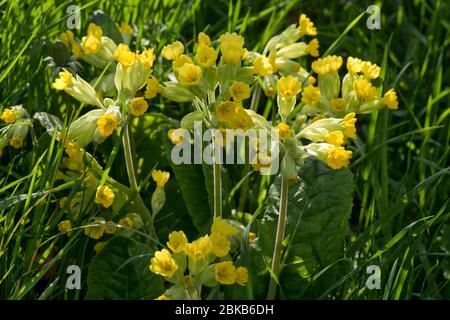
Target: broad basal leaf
{"points": [[121, 271], [318, 210]]}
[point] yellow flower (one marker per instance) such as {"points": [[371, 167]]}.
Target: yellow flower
{"points": [[200, 248], [173, 51], [338, 104], [313, 48], [181, 61], [338, 158], [75, 155], [9, 116], [311, 95], [225, 272], [262, 66], [288, 87], [153, 88], [327, 65], [203, 38], [241, 276], [94, 230], [92, 42], [124, 56], [160, 177], [176, 136], [312, 80], [65, 80], [223, 227], [370, 70], [69, 39], [163, 264], [364, 89], [99, 246], [240, 91], [125, 28], [189, 74], [104, 196], [206, 56], [284, 132], [336, 138], [163, 297], [251, 237], [106, 125], [232, 47], [138, 106], [306, 26], [16, 142], [349, 125], [177, 241], [65, 226], [220, 244], [390, 99], [126, 222], [354, 65], [232, 114], [147, 57], [110, 227]]}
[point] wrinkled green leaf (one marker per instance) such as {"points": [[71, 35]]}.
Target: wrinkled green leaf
{"points": [[318, 211], [121, 271]]}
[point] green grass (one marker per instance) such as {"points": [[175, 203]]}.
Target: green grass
{"points": [[401, 213]]}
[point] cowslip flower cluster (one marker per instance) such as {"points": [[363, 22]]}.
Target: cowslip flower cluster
{"points": [[204, 262], [17, 123], [355, 93], [94, 48], [281, 51]]}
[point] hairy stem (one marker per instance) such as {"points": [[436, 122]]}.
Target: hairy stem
{"points": [[129, 159], [217, 184], [276, 262]]}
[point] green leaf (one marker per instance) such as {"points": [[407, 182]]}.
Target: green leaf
{"points": [[121, 271], [50, 122], [191, 181], [319, 207]]}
